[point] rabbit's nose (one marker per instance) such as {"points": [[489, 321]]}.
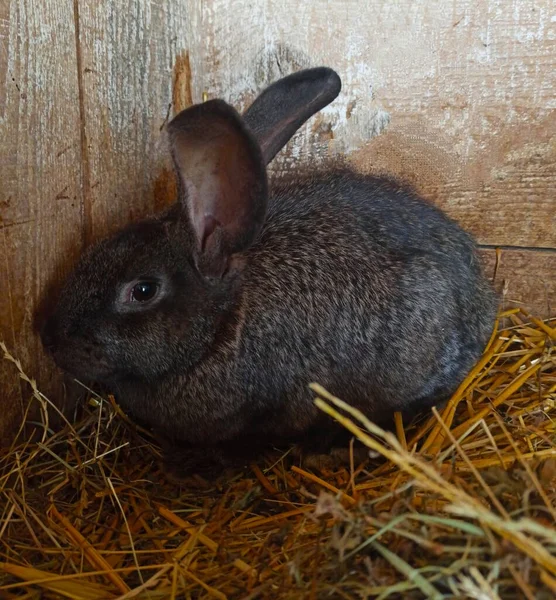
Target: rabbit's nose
{"points": [[49, 333]]}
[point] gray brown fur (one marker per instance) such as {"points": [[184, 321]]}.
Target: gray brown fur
{"points": [[353, 282]]}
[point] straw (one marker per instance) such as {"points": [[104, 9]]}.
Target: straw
{"points": [[461, 502]]}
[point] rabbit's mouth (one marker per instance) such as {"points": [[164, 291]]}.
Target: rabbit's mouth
{"points": [[85, 365], [82, 358]]}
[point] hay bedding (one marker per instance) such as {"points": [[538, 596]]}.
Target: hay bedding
{"points": [[459, 505]]}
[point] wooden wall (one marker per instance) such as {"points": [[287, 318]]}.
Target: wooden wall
{"points": [[457, 97]]}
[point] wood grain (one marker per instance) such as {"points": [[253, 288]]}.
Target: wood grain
{"points": [[128, 51], [524, 278], [40, 197]]}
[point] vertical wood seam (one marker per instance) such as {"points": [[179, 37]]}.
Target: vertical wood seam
{"points": [[86, 200], [12, 320], [9, 285]]}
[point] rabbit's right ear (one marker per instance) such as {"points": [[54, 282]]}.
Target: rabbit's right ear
{"points": [[285, 105], [224, 188]]}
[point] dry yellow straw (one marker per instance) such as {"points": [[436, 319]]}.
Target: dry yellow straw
{"points": [[94, 557]]}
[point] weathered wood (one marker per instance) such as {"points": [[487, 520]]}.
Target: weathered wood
{"points": [[524, 278], [505, 196], [40, 196], [462, 89], [128, 50]]}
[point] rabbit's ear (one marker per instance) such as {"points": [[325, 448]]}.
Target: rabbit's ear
{"points": [[285, 105], [223, 181]]}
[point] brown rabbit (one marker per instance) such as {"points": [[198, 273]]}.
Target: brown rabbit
{"points": [[210, 320]]}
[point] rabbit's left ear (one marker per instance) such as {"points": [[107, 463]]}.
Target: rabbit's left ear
{"points": [[282, 108], [224, 182]]}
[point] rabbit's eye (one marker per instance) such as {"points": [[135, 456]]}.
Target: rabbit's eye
{"points": [[143, 291]]}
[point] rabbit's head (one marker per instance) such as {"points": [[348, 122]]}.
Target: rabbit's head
{"points": [[150, 297]]}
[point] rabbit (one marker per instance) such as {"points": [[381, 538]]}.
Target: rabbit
{"points": [[209, 321]]}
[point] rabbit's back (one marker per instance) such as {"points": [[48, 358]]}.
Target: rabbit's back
{"points": [[360, 285]]}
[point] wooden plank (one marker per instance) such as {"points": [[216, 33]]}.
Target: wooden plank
{"points": [[503, 198], [462, 92], [128, 51], [525, 278], [40, 197]]}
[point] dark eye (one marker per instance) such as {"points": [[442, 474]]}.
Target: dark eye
{"points": [[143, 291]]}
